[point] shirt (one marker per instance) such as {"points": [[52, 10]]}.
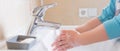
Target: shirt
{"points": [[117, 7], [111, 20]]}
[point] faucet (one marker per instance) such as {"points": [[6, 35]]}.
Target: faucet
{"points": [[39, 13]]}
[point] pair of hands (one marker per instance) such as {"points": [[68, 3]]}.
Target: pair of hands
{"points": [[67, 39]]}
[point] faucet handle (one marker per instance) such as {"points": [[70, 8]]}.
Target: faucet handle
{"points": [[38, 11], [51, 5], [49, 24]]}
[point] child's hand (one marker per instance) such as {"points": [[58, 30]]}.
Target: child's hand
{"points": [[67, 39]]}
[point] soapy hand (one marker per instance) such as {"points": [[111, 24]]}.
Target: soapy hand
{"points": [[67, 39]]}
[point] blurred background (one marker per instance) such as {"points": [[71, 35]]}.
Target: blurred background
{"points": [[16, 15]]}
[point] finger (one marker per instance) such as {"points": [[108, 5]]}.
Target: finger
{"points": [[59, 39], [62, 35], [58, 47], [64, 47], [57, 42], [60, 44], [68, 47]]}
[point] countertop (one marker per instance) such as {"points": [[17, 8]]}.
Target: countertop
{"points": [[44, 34]]}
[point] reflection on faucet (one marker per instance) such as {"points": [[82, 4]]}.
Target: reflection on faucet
{"points": [[39, 13]]}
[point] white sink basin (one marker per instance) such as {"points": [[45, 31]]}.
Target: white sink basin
{"points": [[45, 37], [102, 46]]}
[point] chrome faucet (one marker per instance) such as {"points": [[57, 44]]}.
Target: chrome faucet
{"points": [[39, 13]]}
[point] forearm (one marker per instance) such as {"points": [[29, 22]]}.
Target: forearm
{"points": [[95, 35], [89, 25]]}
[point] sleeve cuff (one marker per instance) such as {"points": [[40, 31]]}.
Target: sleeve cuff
{"points": [[112, 28], [101, 19]]}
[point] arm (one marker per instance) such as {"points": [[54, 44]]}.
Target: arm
{"points": [[88, 26], [93, 31], [107, 14], [95, 35], [71, 38], [108, 30]]}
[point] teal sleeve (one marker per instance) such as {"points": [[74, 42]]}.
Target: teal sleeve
{"points": [[112, 27], [108, 12]]}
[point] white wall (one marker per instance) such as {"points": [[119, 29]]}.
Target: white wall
{"points": [[15, 16]]}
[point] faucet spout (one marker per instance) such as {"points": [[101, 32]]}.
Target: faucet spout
{"points": [[39, 13]]}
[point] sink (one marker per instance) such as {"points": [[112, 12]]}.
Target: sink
{"points": [[45, 37], [101, 46]]}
